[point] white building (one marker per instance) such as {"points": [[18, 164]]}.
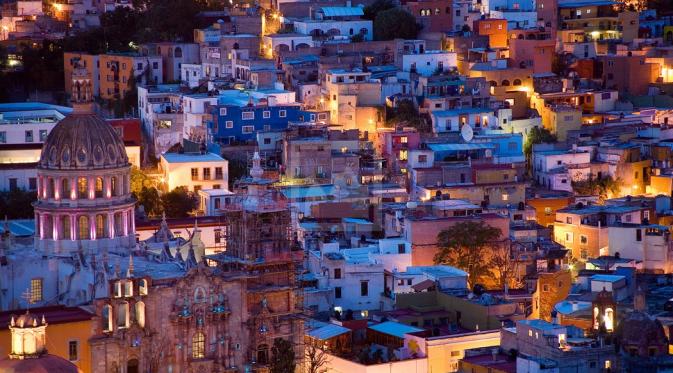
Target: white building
{"points": [[285, 42], [420, 278], [337, 23], [194, 171], [213, 201], [557, 169], [429, 62], [453, 120], [160, 109], [191, 74], [649, 244]]}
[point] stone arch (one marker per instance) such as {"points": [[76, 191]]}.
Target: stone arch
{"points": [[505, 83], [302, 46], [282, 47], [82, 188], [517, 82], [493, 83], [333, 32], [98, 187], [140, 313], [101, 226]]}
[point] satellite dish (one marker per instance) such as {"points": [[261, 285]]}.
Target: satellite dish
{"points": [[467, 133]]}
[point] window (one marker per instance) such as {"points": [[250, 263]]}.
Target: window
{"points": [[223, 111], [266, 114], [229, 124], [422, 158], [155, 65], [403, 155], [639, 235], [72, 351], [505, 197], [218, 173], [32, 183], [337, 292], [195, 173], [43, 135], [248, 115], [282, 113], [29, 136], [337, 273], [101, 226], [13, 183], [3, 137], [82, 186], [36, 290], [218, 232], [401, 248], [247, 129], [545, 288], [206, 173], [364, 288], [99, 187], [569, 237], [584, 239], [198, 346], [569, 220], [83, 225]]}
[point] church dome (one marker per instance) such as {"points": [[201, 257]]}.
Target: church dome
{"points": [[83, 141], [43, 364], [640, 331]]}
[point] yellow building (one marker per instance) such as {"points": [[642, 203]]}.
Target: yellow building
{"points": [[116, 70], [67, 335], [552, 287]]}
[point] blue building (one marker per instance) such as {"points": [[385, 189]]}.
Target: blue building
{"points": [[239, 118]]}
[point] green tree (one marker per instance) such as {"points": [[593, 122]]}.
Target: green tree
{"points": [[466, 246], [537, 135], [140, 180], [178, 203], [395, 23], [604, 188], [283, 358], [377, 6], [406, 113], [150, 200], [17, 204], [237, 169]]}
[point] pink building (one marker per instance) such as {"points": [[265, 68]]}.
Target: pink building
{"points": [[394, 145]]}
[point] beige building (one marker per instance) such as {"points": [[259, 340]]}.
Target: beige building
{"points": [[194, 171]]}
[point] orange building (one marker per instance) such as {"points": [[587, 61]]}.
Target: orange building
{"points": [[495, 29], [67, 335], [85, 60], [547, 204], [532, 50], [630, 74], [116, 70], [552, 287]]}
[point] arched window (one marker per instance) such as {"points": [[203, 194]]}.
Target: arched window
{"points": [[263, 354], [101, 226], [99, 187], [65, 227], [517, 82], [65, 188], [52, 188], [123, 319], [199, 295], [82, 188], [48, 226], [609, 319], [493, 83], [198, 346], [505, 83], [142, 287], [178, 52], [107, 318], [119, 227], [128, 288], [140, 314], [113, 185], [83, 228]]}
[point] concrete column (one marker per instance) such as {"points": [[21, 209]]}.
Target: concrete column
{"points": [[57, 189], [107, 187], [111, 224], [56, 226], [133, 221], [92, 225], [125, 221], [91, 184], [73, 227], [73, 188]]}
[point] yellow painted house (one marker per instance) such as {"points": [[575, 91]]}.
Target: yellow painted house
{"points": [[68, 333]]}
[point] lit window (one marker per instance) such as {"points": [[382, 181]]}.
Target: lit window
{"points": [[198, 346], [72, 351], [35, 290], [404, 140], [505, 197]]}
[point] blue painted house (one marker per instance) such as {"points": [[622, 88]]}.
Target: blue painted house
{"points": [[239, 118]]}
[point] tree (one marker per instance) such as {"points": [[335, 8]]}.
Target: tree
{"points": [[17, 204], [406, 113], [140, 180], [376, 7], [537, 135], [237, 170], [315, 359], [178, 203], [283, 359], [604, 188], [504, 263], [395, 23], [150, 200], [465, 245]]}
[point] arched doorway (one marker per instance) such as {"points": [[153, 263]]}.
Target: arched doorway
{"points": [[132, 366]]}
